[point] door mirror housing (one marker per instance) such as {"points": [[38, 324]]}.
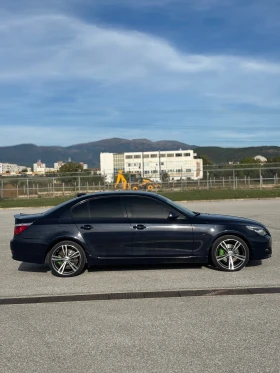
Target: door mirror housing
{"points": [[173, 215]]}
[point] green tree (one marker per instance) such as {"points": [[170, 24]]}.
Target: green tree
{"points": [[206, 160], [273, 160], [165, 177], [249, 160], [71, 167]]}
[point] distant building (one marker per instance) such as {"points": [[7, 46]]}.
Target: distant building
{"points": [[85, 166], [178, 164], [11, 168], [260, 158], [58, 164], [39, 167]]}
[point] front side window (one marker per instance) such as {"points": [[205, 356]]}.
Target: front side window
{"points": [[146, 208]]}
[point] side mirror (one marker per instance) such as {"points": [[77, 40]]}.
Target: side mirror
{"points": [[173, 215]]}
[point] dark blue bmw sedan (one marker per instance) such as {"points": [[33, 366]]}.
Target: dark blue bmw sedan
{"points": [[135, 227]]}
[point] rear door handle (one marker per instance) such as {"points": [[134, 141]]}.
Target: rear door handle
{"points": [[87, 227], [139, 227]]}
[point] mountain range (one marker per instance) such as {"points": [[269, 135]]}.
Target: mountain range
{"points": [[89, 153]]}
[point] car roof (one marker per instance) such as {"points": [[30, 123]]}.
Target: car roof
{"points": [[112, 193]]}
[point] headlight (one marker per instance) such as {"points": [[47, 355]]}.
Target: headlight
{"points": [[258, 230]]}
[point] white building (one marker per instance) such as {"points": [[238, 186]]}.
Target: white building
{"points": [[260, 158], [39, 167], [11, 168], [178, 164], [58, 164]]}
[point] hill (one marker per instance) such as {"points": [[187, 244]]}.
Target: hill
{"points": [[27, 154]]}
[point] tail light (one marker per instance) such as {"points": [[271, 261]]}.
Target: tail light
{"points": [[19, 228]]}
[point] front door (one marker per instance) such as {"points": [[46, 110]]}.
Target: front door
{"points": [[156, 235]]}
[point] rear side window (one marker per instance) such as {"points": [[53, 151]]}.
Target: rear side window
{"points": [[105, 208], [81, 211]]}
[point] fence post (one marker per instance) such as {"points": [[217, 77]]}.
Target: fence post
{"points": [[63, 189], [233, 178], [27, 188], [207, 180], [53, 187], [2, 188], [79, 183], [260, 179], [17, 190]]}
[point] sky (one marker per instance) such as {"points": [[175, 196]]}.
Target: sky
{"points": [[203, 72]]}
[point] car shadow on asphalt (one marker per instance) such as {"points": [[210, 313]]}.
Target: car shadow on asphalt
{"points": [[146, 267], [44, 268], [254, 263], [31, 267]]}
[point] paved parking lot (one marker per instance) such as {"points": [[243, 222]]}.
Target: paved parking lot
{"points": [[22, 279], [229, 334]]}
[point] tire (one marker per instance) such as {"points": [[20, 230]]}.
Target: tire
{"points": [[230, 253], [67, 259], [149, 187]]}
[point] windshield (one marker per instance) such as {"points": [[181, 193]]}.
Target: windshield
{"points": [[181, 208]]}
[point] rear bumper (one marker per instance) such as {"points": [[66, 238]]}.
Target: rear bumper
{"points": [[29, 251]]}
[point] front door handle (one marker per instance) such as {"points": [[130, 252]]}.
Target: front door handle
{"points": [[139, 226], [87, 227]]}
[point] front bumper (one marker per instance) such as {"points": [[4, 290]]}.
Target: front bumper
{"points": [[262, 248]]}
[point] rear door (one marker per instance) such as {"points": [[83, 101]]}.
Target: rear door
{"points": [[155, 234], [105, 227]]}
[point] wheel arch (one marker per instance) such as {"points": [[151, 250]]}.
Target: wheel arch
{"points": [[230, 233], [60, 239]]}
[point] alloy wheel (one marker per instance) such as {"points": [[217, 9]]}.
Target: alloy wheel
{"points": [[230, 254], [66, 259]]}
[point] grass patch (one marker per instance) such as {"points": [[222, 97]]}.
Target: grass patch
{"points": [[33, 202], [216, 194], [186, 195]]}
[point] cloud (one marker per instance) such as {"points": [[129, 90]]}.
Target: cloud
{"points": [[58, 71], [57, 47]]}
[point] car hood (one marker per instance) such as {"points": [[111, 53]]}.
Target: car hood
{"points": [[226, 219]]}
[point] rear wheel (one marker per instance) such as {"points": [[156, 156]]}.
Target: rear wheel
{"points": [[230, 253], [67, 259]]}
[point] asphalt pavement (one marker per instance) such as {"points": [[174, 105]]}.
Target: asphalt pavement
{"points": [[230, 334], [197, 334]]}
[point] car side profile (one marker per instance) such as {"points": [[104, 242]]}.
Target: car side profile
{"points": [[135, 227]]}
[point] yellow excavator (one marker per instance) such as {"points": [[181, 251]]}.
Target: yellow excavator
{"points": [[142, 183]]}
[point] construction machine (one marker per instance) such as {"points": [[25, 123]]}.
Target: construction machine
{"points": [[142, 183]]}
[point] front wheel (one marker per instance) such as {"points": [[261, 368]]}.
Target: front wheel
{"points": [[67, 259], [230, 253]]}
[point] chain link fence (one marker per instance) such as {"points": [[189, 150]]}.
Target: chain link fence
{"points": [[68, 185]]}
